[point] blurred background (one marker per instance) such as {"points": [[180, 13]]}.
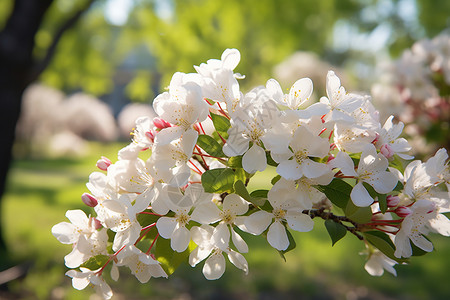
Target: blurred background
{"points": [[75, 74]]}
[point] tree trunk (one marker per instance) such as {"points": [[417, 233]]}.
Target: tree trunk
{"points": [[16, 73]]}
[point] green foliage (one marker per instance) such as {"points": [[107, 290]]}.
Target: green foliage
{"points": [[338, 191], [220, 180], [210, 145], [336, 231], [383, 243], [221, 124], [358, 214], [292, 245], [170, 259]]}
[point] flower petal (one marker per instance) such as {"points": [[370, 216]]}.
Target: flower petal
{"points": [[360, 196], [254, 159], [277, 236]]}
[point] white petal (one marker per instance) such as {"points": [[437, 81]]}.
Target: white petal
{"points": [[78, 218], [65, 233], [382, 182], [441, 224], [345, 163], [235, 204], [221, 236], [289, 169], [238, 242], [257, 222], [166, 226], [332, 84], [312, 169], [167, 135], [299, 221], [238, 260], [422, 243], [180, 239], [214, 267], [230, 58], [277, 236], [206, 213], [360, 196], [300, 92], [254, 159], [373, 267]]}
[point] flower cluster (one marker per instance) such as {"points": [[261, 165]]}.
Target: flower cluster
{"points": [[178, 191], [416, 88]]}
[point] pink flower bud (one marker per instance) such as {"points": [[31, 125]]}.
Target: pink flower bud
{"points": [[95, 223], [160, 123], [103, 163], [89, 200], [392, 201], [387, 151], [150, 136], [403, 211]]}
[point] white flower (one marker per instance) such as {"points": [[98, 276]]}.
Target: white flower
{"points": [[182, 106], [297, 162], [215, 264], [413, 228], [378, 262], [339, 103], [299, 93], [170, 162], [142, 265], [69, 233], [352, 138], [219, 81], [285, 209], [371, 169], [388, 139], [174, 228], [81, 280]]}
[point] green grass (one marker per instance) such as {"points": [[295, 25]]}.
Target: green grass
{"points": [[41, 191]]}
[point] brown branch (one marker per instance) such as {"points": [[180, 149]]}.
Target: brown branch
{"points": [[321, 213], [40, 66]]}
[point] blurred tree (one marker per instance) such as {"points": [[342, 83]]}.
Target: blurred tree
{"points": [[19, 66]]}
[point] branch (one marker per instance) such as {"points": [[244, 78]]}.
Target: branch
{"points": [[321, 213], [69, 23]]}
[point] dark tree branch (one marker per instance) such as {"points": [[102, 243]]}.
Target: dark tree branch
{"points": [[321, 213], [40, 66]]}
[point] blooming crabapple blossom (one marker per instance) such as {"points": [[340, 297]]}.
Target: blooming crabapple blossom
{"points": [[413, 228], [299, 93], [142, 265], [143, 138], [215, 264], [352, 138], [174, 228], [371, 169], [378, 262], [219, 81], [339, 104], [182, 106], [438, 167], [80, 224], [285, 209], [388, 141], [232, 209], [249, 123], [170, 162], [80, 280], [297, 162]]}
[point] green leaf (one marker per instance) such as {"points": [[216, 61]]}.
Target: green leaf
{"points": [[270, 160], [381, 197], [96, 262], [241, 190], [336, 231], [235, 162], [275, 179], [398, 163], [218, 180], [221, 124], [338, 191], [358, 214], [170, 259], [259, 197], [239, 174], [382, 242], [210, 145]]}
